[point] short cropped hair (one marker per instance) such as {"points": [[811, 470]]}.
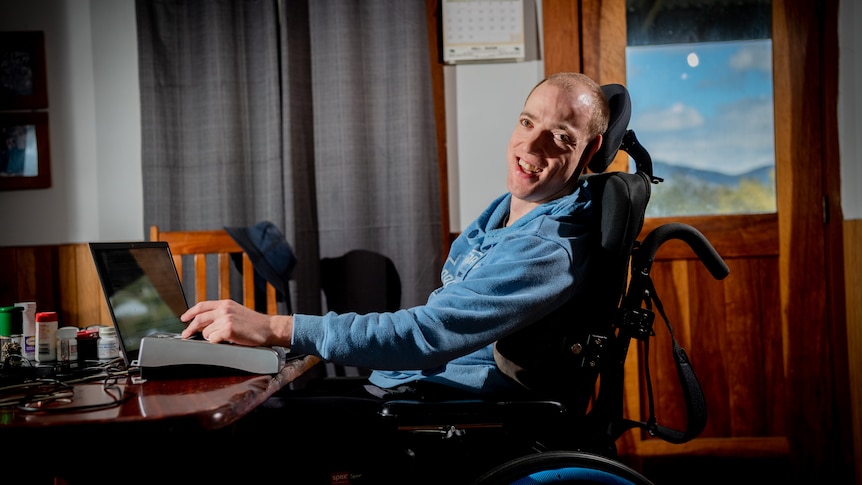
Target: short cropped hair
{"points": [[601, 112]]}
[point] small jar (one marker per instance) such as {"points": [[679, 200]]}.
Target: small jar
{"points": [[107, 346], [87, 339], [67, 344]]}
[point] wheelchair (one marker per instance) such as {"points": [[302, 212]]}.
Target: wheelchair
{"points": [[565, 429]]}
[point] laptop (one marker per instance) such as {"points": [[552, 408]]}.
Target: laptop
{"points": [[145, 299]]}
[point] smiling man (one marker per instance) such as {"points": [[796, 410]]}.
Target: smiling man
{"points": [[516, 265]]}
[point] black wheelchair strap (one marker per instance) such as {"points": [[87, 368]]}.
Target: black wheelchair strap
{"points": [[695, 404]]}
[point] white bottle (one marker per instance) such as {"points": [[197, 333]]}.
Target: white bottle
{"points": [[67, 344], [28, 349], [107, 346], [46, 336]]}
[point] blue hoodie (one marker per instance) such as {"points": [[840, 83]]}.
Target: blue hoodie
{"points": [[496, 280]]}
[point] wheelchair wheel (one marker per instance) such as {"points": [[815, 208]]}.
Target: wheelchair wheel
{"points": [[562, 467]]}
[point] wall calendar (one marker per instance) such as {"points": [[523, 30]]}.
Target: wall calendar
{"points": [[483, 30]]}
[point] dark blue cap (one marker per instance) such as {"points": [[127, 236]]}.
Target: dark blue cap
{"points": [[271, 255]]}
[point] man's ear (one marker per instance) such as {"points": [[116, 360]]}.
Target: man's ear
{"points": [[590, 151]]}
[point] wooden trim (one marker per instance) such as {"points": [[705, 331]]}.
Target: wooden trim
{"points": [[800, 148], [433, 10], [561, 29], [604, 49], [748, 447], [724, 233], [838, 262]]}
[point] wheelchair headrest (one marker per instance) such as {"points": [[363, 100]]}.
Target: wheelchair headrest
{"points": [[621, 112]]}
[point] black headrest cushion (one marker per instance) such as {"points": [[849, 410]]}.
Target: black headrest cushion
{"points": [[621, 113]]}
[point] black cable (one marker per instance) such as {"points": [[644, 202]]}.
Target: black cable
{"points": [[39, 403]]}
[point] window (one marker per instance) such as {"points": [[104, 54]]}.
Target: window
{"points": [[700, 77]]}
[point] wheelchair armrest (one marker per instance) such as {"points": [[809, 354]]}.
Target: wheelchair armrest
{"points": [[468, 411]]}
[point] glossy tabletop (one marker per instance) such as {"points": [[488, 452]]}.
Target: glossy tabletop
{"points": [[204, 403]]}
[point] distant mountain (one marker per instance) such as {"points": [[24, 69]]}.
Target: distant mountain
{"points": [[670, 172]]}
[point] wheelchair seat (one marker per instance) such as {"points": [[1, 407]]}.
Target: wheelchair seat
{"points": [[572, 415]]}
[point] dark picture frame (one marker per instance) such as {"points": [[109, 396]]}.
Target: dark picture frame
{"points": [[25, 159], [23, 80]]}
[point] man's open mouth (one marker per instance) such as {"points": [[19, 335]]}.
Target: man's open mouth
{"points": [[528, 168]]}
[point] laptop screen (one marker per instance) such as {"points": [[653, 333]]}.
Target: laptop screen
{"points": [[142, 289]]}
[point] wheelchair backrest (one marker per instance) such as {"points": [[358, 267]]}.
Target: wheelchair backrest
{"points": [[589, 337]]}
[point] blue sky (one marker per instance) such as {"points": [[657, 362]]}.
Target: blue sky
{"points": [[705, 105]]}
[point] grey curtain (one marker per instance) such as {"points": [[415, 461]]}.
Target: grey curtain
{"points": [[316, 115]]}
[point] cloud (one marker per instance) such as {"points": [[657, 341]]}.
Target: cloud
{"points": [[677, 117], [739, 138], [752, 57]]}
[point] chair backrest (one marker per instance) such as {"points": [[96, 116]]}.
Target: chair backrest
{"points": [[360, 281], [217, 244]]}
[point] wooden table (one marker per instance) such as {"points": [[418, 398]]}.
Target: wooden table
{"points": [[205, 403], [169, 418]]}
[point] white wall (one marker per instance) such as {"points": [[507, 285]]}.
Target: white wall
{"points": [[850, 107], [94, 125], [488, 100], [94, 110]]}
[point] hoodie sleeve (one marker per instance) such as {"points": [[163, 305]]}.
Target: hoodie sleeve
{"points": [[511, 285]]}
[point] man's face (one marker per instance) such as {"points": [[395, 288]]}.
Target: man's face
{"points": [[547, 146]]}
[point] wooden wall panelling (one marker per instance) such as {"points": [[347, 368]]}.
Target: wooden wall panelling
{"points": [[853, 285], [737, 361], [59, 278], [771, 344], [82, 299], [29, 274]]}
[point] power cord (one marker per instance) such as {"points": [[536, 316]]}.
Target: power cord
{"points": [[56, 394]]}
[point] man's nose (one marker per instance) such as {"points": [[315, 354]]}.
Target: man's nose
{"points": [[537, 141]]}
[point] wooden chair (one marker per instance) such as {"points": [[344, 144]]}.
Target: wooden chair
{"points": [[220, 244]]}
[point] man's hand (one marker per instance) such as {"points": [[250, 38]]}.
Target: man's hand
{"points": [[228, 321]]}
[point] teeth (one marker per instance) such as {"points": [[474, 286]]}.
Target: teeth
{"points": [[527, 167]]}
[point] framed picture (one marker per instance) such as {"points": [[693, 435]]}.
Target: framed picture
{"points": [[25, 161], [23, 83]]}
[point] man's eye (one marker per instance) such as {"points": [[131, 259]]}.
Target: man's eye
{"points": [[563, 138], [525, 123]]}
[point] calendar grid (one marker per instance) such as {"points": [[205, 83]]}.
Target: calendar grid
{"points": [[475, 30]]}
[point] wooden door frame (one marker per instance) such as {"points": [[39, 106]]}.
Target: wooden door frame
{"points": [[808, 178]]}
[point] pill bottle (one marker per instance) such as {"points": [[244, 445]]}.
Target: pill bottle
{"points": [[46, 336], [28, 321], [6, 321], [67, 344], [10, 332], [107, 346]]}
